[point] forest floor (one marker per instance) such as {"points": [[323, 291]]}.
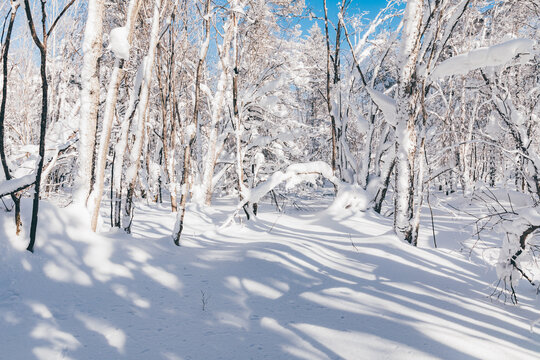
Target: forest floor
{"points": [[305, 283]]}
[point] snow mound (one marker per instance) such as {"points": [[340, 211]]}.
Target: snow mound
{"points": [[349, 197]]}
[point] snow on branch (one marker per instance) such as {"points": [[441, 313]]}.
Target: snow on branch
{"points": [[293, 175], [57, 151], [495, 55], [14, 185], [22, 182], [385, 103], [521, 225], [119, 43], [348, 196]]}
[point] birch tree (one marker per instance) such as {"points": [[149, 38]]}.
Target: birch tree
{"points": [[109, 113], [141, 116], [406, 109], [193, 128], [217, 109], [91, 47]]}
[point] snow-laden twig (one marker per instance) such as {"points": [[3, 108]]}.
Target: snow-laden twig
{"points": [[294, 174], [495, 55], [15, 185]]}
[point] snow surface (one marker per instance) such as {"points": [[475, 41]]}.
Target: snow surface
{"points": [[303, 284]]}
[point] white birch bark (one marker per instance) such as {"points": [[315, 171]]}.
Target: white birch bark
{"points": [[140, 116], [407, 95], [468, 171], [168, 140], [108, 118], [89, 98], [122, 143], [190, 143], [216, 114]]}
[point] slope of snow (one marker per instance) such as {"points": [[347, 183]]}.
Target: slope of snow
{"points": [[304, 284]]}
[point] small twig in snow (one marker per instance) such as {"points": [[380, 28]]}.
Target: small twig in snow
{"points": [[204, 300], [354, 246]]}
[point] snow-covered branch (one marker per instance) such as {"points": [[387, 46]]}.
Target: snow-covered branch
{"points": [[495, 55], [12, 186]]}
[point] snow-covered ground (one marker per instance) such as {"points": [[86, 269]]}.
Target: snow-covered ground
{"points": [[308, 283]]}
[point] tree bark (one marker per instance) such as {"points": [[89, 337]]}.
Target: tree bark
{"points": [[329, 89], [14, 197], [42, 46], [179, 226], [108, 119], [141, 115], [407, 96], [92, 45]]}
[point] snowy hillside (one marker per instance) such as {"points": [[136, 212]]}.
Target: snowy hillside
{"points": [[304, 284]]}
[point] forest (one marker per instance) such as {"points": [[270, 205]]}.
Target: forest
{"points": [[284, 179]]}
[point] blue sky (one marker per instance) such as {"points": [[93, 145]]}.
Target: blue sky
{"points": [[316, 6], [373, 6], [356, 7]]}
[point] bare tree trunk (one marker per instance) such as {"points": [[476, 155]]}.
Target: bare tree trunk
{"points": [[468, 171], [329, 89], [120, 150], [171, 160], [42, 46], [381, 194], [168, 101], [236, 115], [14, 197], [419, 189]]}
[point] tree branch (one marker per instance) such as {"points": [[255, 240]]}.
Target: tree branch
{"points": [[66, 8]]}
